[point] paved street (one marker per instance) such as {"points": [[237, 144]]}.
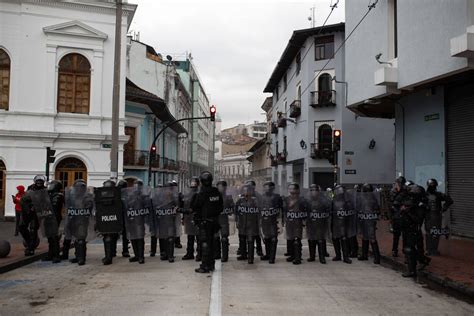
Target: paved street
{"points": [[160, 288]]}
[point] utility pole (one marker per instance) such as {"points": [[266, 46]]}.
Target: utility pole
{"points": [[116, 93]]}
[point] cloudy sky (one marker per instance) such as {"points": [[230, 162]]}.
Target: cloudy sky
{"points": [[235, 44]]}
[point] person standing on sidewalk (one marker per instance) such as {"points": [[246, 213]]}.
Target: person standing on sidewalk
{"points": [[16, 200]]}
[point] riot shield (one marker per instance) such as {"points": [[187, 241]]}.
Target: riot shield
{"points": [[248, 213], [137, 205], [351, 208], [41, 204], [344, 219], [165, 211], [227, 217], [270, 214], [79, 206], [109, 210], [317, 223], [369, 212], [296, 212], [188, 222]]}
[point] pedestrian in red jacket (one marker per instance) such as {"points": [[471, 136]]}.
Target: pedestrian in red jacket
{"points": [[16, 201]]}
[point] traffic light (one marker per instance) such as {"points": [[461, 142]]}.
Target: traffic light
{"points": [[153, 150], [336, 140], [212, 110], [50, 155]]}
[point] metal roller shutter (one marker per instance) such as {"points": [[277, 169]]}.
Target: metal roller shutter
{"points": [[460, 158]]}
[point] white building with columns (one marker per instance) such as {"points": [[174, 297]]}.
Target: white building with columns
{"points": [[56, 70]]}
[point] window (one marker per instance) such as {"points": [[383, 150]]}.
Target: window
{"points": [[324, 88], [324, 47], [325, 137], [298, 63], [74, 84], [4, 79], [285, 82]]}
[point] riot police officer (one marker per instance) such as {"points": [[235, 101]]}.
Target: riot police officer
{"points": [[318, 222], [190, 228], [225, 225], [122, 184], [258, 240], [55, 188], [29, 222], [272, 207], [207, 205], [296, 211], [369, 213], [398, 195], [342, 222], [248, 213], [438, 203]]}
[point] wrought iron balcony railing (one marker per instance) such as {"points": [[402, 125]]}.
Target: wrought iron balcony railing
{"points": [[322, 98], [322, 151]]}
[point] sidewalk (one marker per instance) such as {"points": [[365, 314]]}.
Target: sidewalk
{"points": [[454, 269], [16, 258]]}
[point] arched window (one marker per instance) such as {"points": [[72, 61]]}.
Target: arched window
{"points": [[325, 137], [74, 83], [69, 170], [324, 88], [4, 79]]}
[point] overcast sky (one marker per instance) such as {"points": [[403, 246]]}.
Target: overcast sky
{"points": [[235, 44]]}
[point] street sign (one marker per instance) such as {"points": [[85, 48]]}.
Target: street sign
{"points": [[106, 145], [350, 171]]}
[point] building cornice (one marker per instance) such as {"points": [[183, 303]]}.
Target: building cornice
{"points": [[62, 29]]}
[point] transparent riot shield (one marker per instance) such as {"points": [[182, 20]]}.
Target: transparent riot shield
{"points": [[227, 217], [270, 215], [189, 227], [351, 220], [317, 223], [137, 204], [41, 204], [369, 213], [79, 205], [165, 210], [247, 210], [296, 212]]}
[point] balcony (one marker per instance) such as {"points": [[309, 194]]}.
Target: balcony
{"points": [[140, 159], [322, 98], [321, 151], [273, 161], [281, 122], [295, 109], [463, 45], [274, 128], [281, 157]]}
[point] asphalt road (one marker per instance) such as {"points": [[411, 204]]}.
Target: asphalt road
{"points": [[236, 288]]}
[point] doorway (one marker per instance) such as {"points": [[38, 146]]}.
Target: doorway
{"points": [[69, 170]]}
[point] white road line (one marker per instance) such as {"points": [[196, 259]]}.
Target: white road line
{"points": [[215, 303]]}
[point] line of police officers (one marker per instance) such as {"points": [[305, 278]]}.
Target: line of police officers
{"points": [[211, 214]]}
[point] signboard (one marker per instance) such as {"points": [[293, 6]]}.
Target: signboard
{"points": [[349, 153], [432, 117], [350, 171], [106, 145]]}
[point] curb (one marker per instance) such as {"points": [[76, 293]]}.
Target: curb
{"points": [[22, 262], [435, 282]]}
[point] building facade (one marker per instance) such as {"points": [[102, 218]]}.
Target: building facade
{"points": [[418, 70], [309, 103], [56, 66]]}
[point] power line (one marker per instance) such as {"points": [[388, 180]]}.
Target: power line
{"points": [[370, 6], [333, 6]]}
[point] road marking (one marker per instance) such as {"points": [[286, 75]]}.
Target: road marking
{"points": [[215, 303]]}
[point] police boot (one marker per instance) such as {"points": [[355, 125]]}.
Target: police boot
{"points": [[337, 249], [25, 233], [239, 250], [258, 241], [217, 250], [243, 248], [297, 248], [321, 254], [141, 250], [354, 247], [56, 250], [49, 255], [163, 249], [411, 271], [135, 251], [325, 249], [81, 252], [375, 251], [395, 241], [198, 249], [289, 248], [250, 250], [125, 242], [177, 242], [273, 249], [364, 256], [170, 249], [267, 244], [153, 244], [345, 250], [225, 249], [312, 250], [108, 250], [189, 248]]}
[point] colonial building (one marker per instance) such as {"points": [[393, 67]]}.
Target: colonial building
{"points": [[417, 68], [56, 69], [309, 103]]}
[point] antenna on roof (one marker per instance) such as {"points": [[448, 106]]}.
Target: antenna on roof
{"points": [[312, 18]]}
